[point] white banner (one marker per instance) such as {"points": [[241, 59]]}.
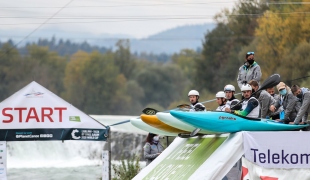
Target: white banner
{"points": [[35, 113], [3, 167], [251, 171], [36, 107], [287, 149], [206, 157]]}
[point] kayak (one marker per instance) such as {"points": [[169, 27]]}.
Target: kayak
{"points": [[174, 122], [223, 122], [153, 121], [137, 122]]}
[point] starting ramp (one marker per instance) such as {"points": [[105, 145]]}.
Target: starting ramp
{"points": [[205, 157]]}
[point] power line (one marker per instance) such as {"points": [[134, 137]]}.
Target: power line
{"points": [[115, 20], [288, 3], [146, 17], [122, 5], [15, 45]]}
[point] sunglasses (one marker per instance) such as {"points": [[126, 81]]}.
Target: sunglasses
{"points": [[250, 53]]}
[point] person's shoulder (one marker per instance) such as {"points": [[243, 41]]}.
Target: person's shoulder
{"points": [[307, 94], [199, 104], [236, 100], [253, 99], [256, 65], [290, 95], [265, 93], [147, 144]]}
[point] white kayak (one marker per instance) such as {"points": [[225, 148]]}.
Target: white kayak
{"points": [[174, 122], [137, 122]]}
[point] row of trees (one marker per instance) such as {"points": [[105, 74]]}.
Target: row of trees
{"points": [[278, 33], [118, 82], [97, 83]]}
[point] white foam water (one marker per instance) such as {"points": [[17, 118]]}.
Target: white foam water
{"points": [[42, 154]]}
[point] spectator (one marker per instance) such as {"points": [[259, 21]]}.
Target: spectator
{"points": [[278, 113], [289, 103], [271, 92], [304, 96], [152, 148], [266, 101], [249, 71]]}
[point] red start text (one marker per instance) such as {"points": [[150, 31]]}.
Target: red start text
{"points": [[32, 114]]}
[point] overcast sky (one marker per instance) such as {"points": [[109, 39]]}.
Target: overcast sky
{"points": [[138, 18]]}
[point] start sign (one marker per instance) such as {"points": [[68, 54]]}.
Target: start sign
{"points": [[36, 108], [32, 113]]}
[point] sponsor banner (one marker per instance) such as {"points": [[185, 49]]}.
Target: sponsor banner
{"points": [[251, 171], [195, 158], [3, 167], [287, 149], [224, 161], [52, 134], [35, 107]]}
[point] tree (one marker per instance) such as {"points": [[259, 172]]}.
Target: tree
{"points": [[9, 70], [186, 61], [45, 67], [281, 30], [219, 62], [162, 84], [94, 85], [123, 59]]}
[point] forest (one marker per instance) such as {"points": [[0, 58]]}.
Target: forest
{"points": [[99, 80]]}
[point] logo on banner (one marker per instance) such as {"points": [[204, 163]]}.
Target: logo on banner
{"points": [[34, 94], [75, 118], [73, 134], [227, 117], [269, 151]]}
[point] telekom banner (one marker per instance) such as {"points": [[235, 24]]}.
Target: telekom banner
{"points": [[35, 113], [251, 171], [287, 149]]}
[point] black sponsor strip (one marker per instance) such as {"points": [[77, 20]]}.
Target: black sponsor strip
{"points": [[53, 134]]}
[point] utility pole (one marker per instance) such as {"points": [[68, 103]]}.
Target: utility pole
{"points": [[107, 134]]}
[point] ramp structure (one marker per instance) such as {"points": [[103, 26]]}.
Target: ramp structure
{"points": [[265, 156], [206, 157]]}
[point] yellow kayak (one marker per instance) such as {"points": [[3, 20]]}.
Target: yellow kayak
{"points": [[153, 121]]}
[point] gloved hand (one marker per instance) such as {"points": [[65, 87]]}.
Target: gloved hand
{"points": [[199, 107], [244, 82]]}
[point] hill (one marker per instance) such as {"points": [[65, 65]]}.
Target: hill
{"points": [[169, 41]]}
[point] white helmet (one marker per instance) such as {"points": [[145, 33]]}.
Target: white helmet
{"points": [[229, 87], [246, 87], [193, 93], [220, 94]]}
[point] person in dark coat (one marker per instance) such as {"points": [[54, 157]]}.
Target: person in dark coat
{"points": [[152, 148]]}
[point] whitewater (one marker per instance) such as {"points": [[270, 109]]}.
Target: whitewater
{"points": [[51, 160]]}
